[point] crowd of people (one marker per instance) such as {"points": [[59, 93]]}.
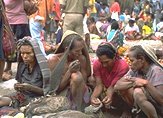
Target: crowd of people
{"points": [[64, 68]]}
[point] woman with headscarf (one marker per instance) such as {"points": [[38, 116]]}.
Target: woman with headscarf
{"points": [[33, 75], [70, 67], [142, 86]]}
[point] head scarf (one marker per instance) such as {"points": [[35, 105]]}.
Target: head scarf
{"points": [[41, 60], [150, 52], [57, 72]]}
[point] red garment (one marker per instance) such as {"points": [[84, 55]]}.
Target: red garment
{"points": [[57, 10], [115, 7], [110, 78]]}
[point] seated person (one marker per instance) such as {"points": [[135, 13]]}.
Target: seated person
{"points": [[71, 64], [115, 36], [91, 24], [107, 70], [142, 86], [132, 31], [30, 74], [146, 29]]}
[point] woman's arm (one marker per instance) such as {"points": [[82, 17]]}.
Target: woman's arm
{"points": [[98, 88]]}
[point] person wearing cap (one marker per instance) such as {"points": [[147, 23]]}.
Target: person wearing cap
{"points": [[132, 31], [33, 75], [70, 66], [142, 86], [107, 70]]}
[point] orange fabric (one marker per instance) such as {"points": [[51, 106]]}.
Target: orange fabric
{"points": [[42, 9], [115, 7]]}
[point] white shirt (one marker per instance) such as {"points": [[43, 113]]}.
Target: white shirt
{"points": [[133, 28]]}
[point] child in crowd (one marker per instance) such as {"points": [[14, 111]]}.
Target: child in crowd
{"points": [[36, 27]]}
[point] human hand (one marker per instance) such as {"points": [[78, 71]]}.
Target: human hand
{"points": [[107, 100], [138, 82], [74, 66], [22, 87], [95, 101]]}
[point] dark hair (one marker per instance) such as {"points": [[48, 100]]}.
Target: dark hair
{"points": [[139, 52], [131, 21], [24, 41], [90, 20], [106, 49], [115, 25], [73, 38]]}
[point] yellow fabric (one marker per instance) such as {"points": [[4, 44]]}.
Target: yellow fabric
{"points": [[92, 6], [146, 30]]}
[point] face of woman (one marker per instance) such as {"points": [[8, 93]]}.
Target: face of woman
{"points": [[136, 64], [27, 54], [76, 52], [106, 62]]}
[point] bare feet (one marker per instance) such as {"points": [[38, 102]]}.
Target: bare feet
{"points": [[7, 75]]}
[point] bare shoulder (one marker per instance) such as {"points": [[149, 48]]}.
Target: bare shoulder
{"points": [[53, 59], [82, 58]]}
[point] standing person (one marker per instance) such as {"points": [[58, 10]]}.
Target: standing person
{"points": [[70, 66], [33, 75], [107, 70], [142, 86], [36, 28], [115, 9], [45, 7], [18, 21], [75, 11], [55, 16], [126, 4]]}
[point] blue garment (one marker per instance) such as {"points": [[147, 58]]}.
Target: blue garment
{"points": [[116, 38], [111, 34], [59, 36], [35, 29]]}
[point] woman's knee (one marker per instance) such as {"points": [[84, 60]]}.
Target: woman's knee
{"points": [[5, 101], [77, 78]]}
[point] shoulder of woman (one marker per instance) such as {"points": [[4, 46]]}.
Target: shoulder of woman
{"points": [[53, 59]]}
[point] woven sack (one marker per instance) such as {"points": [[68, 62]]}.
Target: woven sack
{"points": [[50, 104]]}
